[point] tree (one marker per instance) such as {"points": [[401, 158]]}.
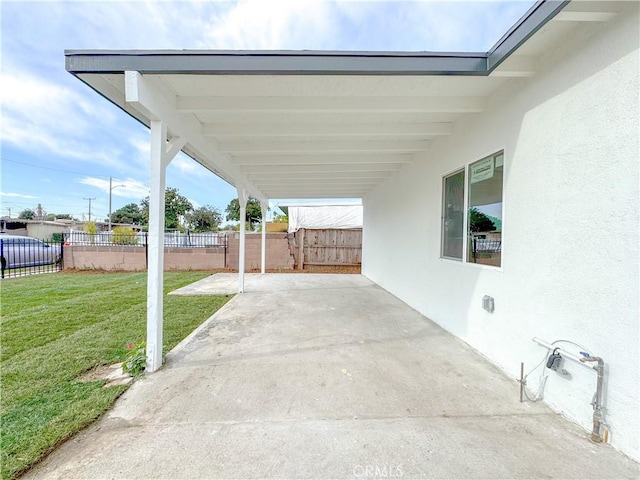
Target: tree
{"points": [[130, 214], [254, 211], [50, 217], [175, 206], [204, 219], [27, 214], [63, 216], [479, 222]]}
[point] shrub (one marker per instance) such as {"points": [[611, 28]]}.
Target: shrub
{"points": [[90, 228], [136, 359], [125, 236]]}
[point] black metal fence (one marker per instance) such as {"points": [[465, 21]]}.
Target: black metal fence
{"points": [[105, 239], [20, 256], [483, 247], [195, 240], [140, 239]]}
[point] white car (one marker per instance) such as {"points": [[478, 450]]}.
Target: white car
{"points": [[17, 251]]}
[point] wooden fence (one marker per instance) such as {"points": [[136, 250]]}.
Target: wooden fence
{"points": [[328, 247]]}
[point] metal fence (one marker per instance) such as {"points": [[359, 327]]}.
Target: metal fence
{"points": [[191, 240], [484, 247], [75, 238], [20, 256], [140, 239]]}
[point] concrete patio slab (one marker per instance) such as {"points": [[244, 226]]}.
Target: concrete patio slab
{"points": [[227, 283], [327, 376]]}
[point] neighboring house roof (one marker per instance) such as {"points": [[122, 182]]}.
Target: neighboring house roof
{"points": [[24, 221], [285, 124]]}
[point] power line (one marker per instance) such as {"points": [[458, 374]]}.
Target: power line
{"points": [[51, 168], [30, 204]]}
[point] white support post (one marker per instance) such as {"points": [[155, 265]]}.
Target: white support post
{"points": [[155, 239], [161, 154], [160, 111], [263, 257], [242, 200]]}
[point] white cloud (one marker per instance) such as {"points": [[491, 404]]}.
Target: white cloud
{"points": [[141, 150], [42, 117], [128, 188], [15, 195], [258, 24], [39, 101], [186, 165], [445, 25]]}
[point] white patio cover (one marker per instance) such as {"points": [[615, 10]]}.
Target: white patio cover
{"points": [[309, 124], [325, 216]]}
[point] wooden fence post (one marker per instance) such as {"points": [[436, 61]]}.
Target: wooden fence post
{"points": [[301, 249]]}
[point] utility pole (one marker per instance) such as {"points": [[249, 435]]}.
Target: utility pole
{"points": [[111, 187], [9, 210], [87, 198]]}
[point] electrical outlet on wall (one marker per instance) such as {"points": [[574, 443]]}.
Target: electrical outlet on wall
{"points": [[488, 303]]}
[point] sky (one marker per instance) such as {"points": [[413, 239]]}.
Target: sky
{"points": [[60, 141]]}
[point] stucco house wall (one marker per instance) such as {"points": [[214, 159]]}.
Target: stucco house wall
{"points": [[570, 228], [45, 231]]}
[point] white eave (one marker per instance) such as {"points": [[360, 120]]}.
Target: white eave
{"points": [[319, 124]]}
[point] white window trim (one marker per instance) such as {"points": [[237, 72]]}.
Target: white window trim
{"points": [[442, 218], [463, 260]]}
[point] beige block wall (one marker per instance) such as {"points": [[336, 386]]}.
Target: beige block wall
{"points": [[279, 256], [134, 258], [194, 258]]}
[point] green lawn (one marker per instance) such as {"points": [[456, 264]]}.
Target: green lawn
{"points": [[55, 327]]}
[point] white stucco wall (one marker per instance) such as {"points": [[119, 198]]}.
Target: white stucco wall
{"points": [[570, 264]]}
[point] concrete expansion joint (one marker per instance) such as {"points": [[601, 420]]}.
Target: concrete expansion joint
{"points": [[347, 418]]}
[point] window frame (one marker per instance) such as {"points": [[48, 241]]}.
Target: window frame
{"points": [[442, 212], [466, 169]]}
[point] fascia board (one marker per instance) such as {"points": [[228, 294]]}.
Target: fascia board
{"points": [[537, 16], [276, 63]]}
